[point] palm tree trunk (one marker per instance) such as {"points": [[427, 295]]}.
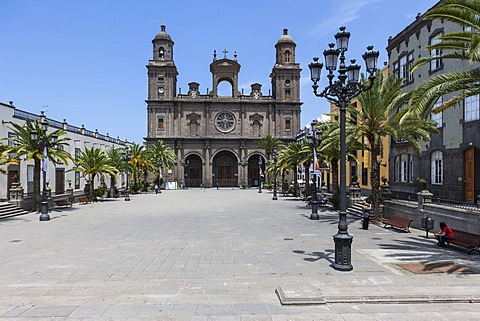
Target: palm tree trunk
{"points": [[295, 181], [375, 179], [112, 186], [37, 200], [92, 185]]}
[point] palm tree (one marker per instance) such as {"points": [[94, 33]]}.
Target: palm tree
{"points": [[116, 161], [92, 162], [25, 145], [160, 151], [267, 144], [460, 45], [5, 159], [379, 117], [140, 164], [292, 157]]}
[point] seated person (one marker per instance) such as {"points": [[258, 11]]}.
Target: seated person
{"points": [[444, 234]]}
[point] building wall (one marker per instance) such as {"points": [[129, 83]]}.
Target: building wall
{"points": [[455, 135], [79, 139]]}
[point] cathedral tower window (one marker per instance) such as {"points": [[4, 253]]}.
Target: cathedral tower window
{"points": [[161, 53], [287, 56], [287, 94], [256, 128], [193, 128], [160, 123], [288, 125]]}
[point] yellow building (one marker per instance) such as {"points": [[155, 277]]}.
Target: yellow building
{"points": [[360, 165]]}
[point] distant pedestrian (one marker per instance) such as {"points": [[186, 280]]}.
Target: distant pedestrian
{"points": [[217, 185], [444, 234], [156, 189]]}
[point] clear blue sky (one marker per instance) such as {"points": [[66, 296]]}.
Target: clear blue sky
{"points": [[86, 59]]}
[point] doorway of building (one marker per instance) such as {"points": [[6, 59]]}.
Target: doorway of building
{"points": [[59, 181], [469, 181], [254, 170], [193, 173], [225, 170]]}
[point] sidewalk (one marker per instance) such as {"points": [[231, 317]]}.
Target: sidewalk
{"points": [[222, 255]]}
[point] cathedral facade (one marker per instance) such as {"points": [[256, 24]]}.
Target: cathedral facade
{"points": [[215, 138]]}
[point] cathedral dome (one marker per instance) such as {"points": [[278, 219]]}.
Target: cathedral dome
{"points": [[162, 34], [285, 37]]}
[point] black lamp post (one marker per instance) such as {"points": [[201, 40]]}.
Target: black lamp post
{"points": [[340, 92], [127, 159], [275, 159], [313, 137], [260, 174], [159, 164], [43, 146], [185, 174]]}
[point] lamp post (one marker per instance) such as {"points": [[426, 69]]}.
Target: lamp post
{"points": [[313, 137], [275, 159], [185, 174], [260, 173], [159, 164], [44, 144], [341, 91], [127, 159]]}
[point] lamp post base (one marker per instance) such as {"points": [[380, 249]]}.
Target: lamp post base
{"points": [[314, 215], [343, 252], [44, 212]]}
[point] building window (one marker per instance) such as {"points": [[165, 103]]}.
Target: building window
{"points": [[396, 68], [436, 63], [59, 161], [409, 67], [288, 125], [287, 56], [193, 128], [403, 168], [410, 162], [472, 108], [30, 174], [437, 167], [402, 72], [287, 94], [160, 123], [256, 128], [396, 168], [438, 117], [161, 53], [77, 180]]}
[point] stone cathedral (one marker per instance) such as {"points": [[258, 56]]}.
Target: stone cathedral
{"points": [[215, 137]]}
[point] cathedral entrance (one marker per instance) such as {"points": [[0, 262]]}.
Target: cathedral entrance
{"points": [[225, 170], [193, 171], [254, 170]]}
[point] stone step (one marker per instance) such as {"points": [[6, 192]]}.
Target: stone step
{"points": [[9, 210]]}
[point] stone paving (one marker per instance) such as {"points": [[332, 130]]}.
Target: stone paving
{"points": [[219, 255]]}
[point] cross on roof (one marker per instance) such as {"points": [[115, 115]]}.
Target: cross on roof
{"points": [[225, 51]]}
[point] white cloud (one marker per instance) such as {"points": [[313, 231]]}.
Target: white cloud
{"points": [[344, 13]]}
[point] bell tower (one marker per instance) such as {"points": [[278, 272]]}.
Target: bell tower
{"points": [[286, 72], [162, 72]]}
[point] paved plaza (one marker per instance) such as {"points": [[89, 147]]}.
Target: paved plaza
{"points": [[222, 255]]}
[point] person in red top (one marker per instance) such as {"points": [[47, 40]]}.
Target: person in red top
{"points": [[444, 234]]}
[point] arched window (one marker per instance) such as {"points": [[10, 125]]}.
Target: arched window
{"points": [[161, 53], [256, 128], [287, 56], [193, 128], [437, 167]]}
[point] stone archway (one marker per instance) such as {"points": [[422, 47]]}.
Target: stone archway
{"points": [[225, 169], [254, 170], [193, 171]]}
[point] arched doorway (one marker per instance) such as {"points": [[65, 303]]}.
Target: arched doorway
{"points": [[254, 170], [193, 171], [225, 169]]}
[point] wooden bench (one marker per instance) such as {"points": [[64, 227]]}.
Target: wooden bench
{"points": [[466, 240], [402, 223], [63, 202], [83, 199]]}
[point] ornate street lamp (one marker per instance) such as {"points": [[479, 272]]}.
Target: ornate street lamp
{"points": [[340, 92], [313, 137], [185, 174], [127, 159], [275, 159], [260, 173], [44, 144], [159, 164]]}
